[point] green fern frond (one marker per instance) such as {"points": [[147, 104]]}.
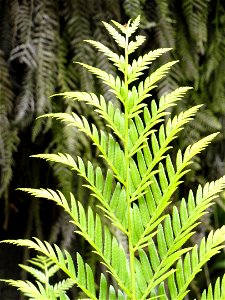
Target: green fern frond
{"points": [[46, 269], [129, 30], [81, 275], [46, 266], [29, 289], [9, 139], [24, 52], [193, 262], [104, 108], [118, 60], [109, 148], [134, 192], [92, 230], [141, 64], [119, 39], [217, 293]]}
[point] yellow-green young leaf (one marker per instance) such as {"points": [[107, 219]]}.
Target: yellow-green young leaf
{"points": [[179, 159], [90, 172], [70, 265], [103, 289], [156, 191], [137, 224], [28, 288], [191, 202], [140, 276], [216, 292], [153, 253], [115, 254], [172, 286], [183, 212], [162, 247], [168, 231], [170, 168], [143, 207], [81, 274], [82, 216], [187, 266], [107, 245], [99, 179], [145, 264], [176, 221], [91, 223], [112, 293], [118, 61], [162, 178], [40, 276], [133, 45], [98, 232], [180, 275], [108, 187], [141, 64], [120, 40], [130, 28], [155, 144]]}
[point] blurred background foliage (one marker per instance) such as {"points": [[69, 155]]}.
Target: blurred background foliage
{"points": [[39, 41]]}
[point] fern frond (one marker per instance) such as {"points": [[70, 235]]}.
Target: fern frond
{"points": [[138, 66], [113, 204], [197, 147], [46, 270], [118, 60], [178, 229], [29, 289], [128, 30], [160, 194], [105, 109], [115, 83], [65, 263], [92, 230], [136, 189], [40, 276], [119, 39], [24, 52], [217, 293], [62, 286], [193, 262], [133, 45], [110, 150], [9, 138], [46, 57], [159, 149], [83, 276]]}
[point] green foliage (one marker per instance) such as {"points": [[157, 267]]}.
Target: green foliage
{"points": [[8, 133], [194, 29], [42, 269], [217, 293], [134, 193]]}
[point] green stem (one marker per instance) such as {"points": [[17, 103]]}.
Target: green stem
{"points": [[127, 164], [47, 279]]}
